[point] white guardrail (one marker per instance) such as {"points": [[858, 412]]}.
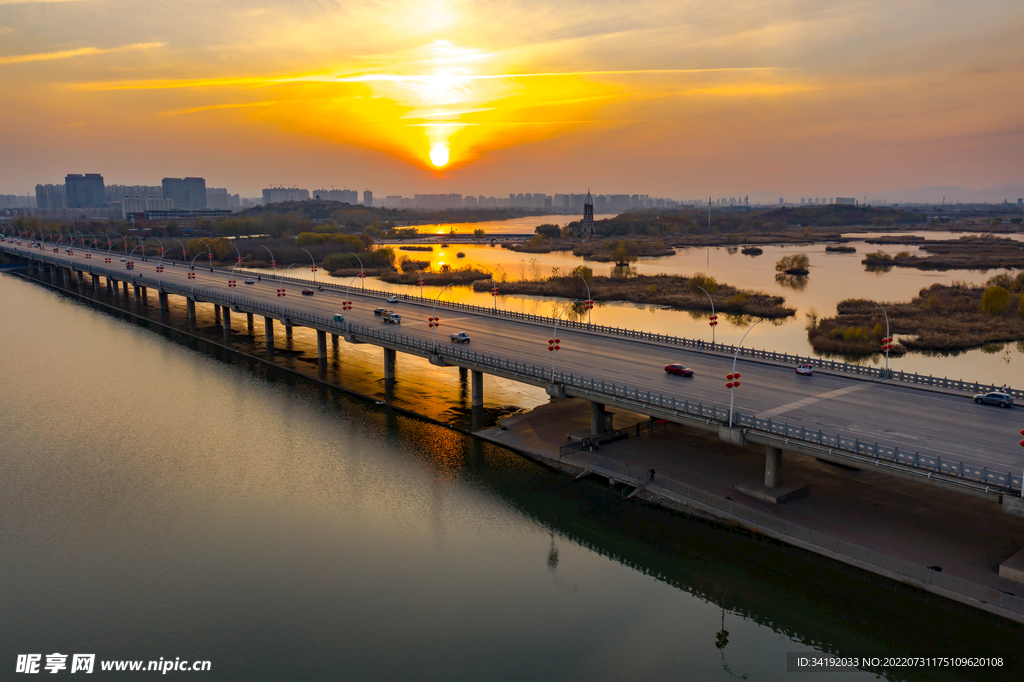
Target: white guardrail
{"points": [[997, 481]]}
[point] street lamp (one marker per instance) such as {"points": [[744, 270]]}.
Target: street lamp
{"points": [[554, 340], [273, 261], [713, 320], [314, 265], [494, 286], [590, 299], [887, 341], [362, 270], [433, 318], [733, 384]]}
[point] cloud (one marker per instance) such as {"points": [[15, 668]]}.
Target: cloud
{"points": [[80, 52]]}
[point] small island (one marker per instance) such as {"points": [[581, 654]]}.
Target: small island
{"points": [[668, 290], [941, 318]]}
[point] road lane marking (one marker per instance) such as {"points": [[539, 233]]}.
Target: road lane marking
{"points": [[804, 402]]}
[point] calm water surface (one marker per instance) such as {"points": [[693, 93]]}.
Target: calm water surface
{"points": [[160, 502]]}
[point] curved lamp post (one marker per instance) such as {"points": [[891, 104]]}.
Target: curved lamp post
{"points": [[553, 346], [732, 391], [433, 318], [590, 299], [887, 344], [362, 271], [313, 268], [273, 261], [494, 285], [714, 318], [193, 264]]}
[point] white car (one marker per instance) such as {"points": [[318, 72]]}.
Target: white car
{"points": [[250, 281], [124, 260], [392, 299], [805, 369]]}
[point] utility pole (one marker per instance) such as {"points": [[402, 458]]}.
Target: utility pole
{"points": [[709, 214]]}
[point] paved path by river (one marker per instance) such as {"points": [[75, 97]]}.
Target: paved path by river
{"points": [[966, 537]]}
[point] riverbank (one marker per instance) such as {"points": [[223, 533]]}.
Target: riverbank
{"points": [[971, 252], [676, 292], [941, 318], [893, 518]]}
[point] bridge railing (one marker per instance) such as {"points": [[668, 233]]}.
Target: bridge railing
{"points": [[998, 480], [680, 341], [722, 506], [683, 342]]}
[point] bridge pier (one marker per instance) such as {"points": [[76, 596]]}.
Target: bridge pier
{"points": [[268, 330], [600, 419], [53, 274], [772, 467], [80, 276], [95, 283], [334, 340], [110, 285], [771, 488], [216, 313], [67, 278], [463, 374], [227, 325], [478, 389], [288, 331], [249, 323], [124, 285], [164, 305], [190, 308], [321, 345], [389, 363]]}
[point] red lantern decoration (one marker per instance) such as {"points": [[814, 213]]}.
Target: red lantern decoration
{"points": [[728, 385]]}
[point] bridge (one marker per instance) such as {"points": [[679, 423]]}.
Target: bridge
{"points": [[909, 426]]}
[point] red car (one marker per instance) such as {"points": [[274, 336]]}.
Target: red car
{"points": [[679, 370], [307, 292]]}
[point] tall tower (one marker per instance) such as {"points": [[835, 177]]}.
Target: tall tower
{"points": [[587, 229]]}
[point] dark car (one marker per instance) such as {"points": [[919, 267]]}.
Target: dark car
{"points": [[679, 370], [994, 398], [307, 292]]}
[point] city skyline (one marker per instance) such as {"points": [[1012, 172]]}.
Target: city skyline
{"points": [[785, 97]]}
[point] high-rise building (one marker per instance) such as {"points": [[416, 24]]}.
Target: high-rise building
{"points": [[367, 198], [50, 197], [218, 197], [274, 195], [846, 201], [115, 193], [185, 192], [84, 191]]}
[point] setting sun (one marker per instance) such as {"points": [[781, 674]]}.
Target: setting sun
{"points": [[439, 155]]}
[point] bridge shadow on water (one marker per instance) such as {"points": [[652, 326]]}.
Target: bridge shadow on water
{"points": [[819, 603]]}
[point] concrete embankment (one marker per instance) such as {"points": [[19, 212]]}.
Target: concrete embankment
{"points": [[941, 542]]}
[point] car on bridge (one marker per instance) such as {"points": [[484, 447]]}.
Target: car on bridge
{"points": [[994, 398], [380, 311], [805, 369], [307, 292], [392, 299], [392, 318], [250, 281], [338, 317], [679, 370], [459, 337], [124, 260]]}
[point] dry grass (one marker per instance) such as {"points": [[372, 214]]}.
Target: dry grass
{"points": [[668, 290]]}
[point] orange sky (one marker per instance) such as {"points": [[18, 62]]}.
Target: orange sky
{"points": [[677, 99]]}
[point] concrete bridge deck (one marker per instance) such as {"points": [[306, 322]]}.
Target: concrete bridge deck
{"points": [[848, 412]]}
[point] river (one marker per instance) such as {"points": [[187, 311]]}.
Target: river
{"points": [[161, 501]]}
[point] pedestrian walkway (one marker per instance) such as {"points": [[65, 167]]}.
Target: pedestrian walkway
{"points": [[955, 535]]}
